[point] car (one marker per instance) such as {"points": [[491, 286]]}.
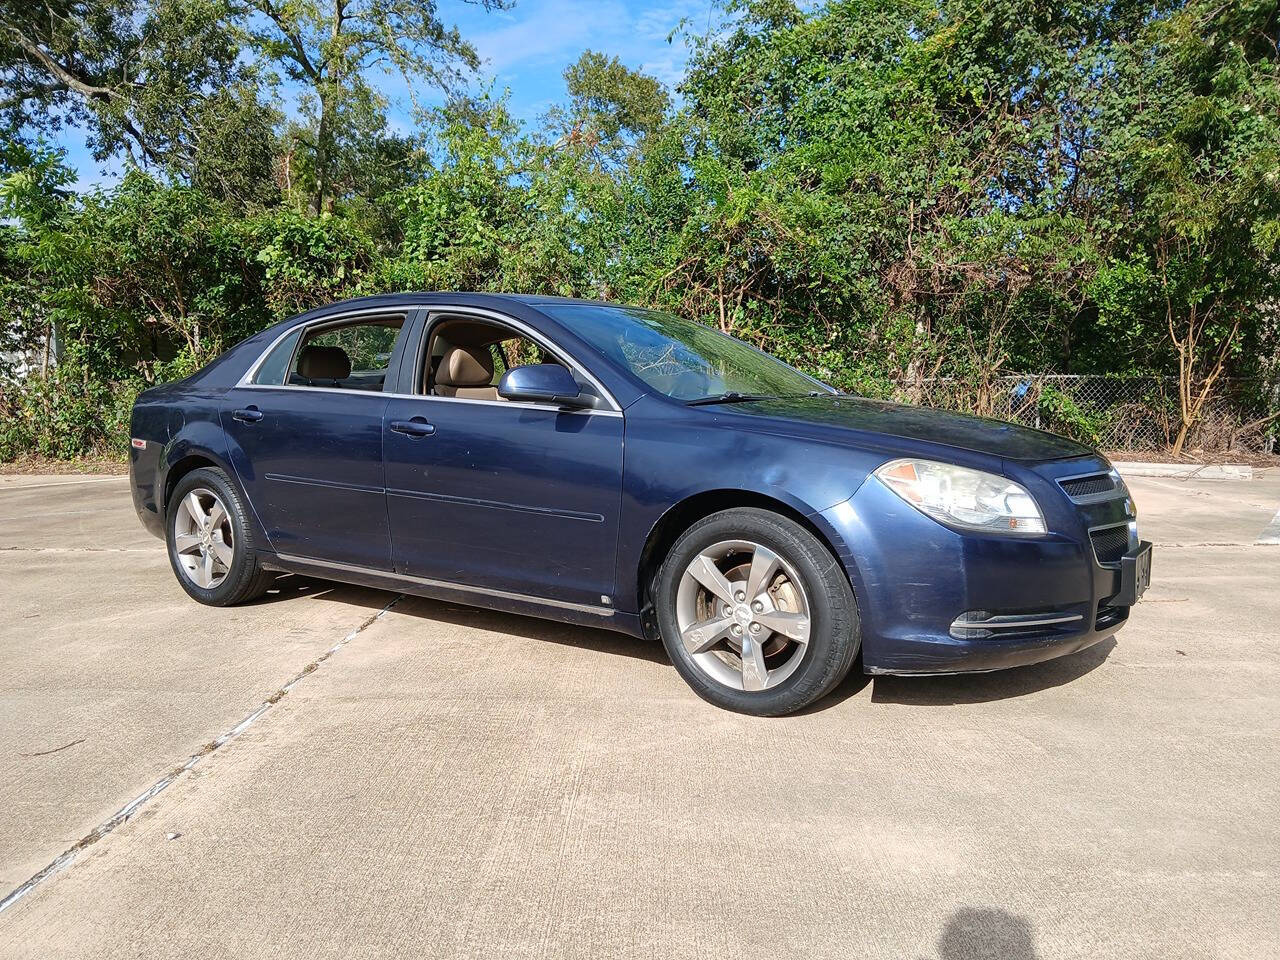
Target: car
{"points": [[630, 470]]}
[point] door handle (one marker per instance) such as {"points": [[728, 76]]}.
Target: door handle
{"points": [[417, 427], [248, 415]]}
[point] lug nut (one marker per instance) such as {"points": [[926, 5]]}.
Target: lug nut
{"points": [[740, 596], [736, 630], [755, 627], [757, 606]]}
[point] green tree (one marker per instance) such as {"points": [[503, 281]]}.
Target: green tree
{"points": [[888, 193], [149, 79], [1198, 154], [329, 45], [610, 106]]}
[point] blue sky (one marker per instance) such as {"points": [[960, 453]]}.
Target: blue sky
{"points": [[524, 49]]}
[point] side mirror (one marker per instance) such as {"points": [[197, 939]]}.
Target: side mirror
{"points": [[542, 383]]}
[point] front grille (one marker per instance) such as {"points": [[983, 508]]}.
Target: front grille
{"points": [[1110, 543], [1078, 488]]}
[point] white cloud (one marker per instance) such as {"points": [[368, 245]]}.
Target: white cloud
{"points": [[656, 22], [549, 31], [552, 33], [668, 69]]}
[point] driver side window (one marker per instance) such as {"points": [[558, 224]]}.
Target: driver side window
{"points": [[467, 358]]}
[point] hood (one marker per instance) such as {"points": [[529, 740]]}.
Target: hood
{"points": [[877, 417]]}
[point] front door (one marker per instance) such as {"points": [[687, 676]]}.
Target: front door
{"points": [[517, 498], [507, 497]]}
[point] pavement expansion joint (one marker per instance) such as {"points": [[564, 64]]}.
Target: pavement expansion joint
{"points": [[121, 816], [14, 549]]}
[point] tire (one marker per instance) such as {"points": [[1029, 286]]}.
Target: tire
{"points": [[231, 583], [691, 615]]}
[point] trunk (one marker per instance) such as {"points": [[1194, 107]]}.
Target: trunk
{"points": [[915, 367], [322, 156], [1191, 401], [329, 87], [724, 326], [1181, 438]]}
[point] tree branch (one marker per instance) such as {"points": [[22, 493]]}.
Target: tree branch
{"points": [[60, 73], [299, 55]]}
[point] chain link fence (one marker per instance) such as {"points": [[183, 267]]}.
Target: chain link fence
{"points": [[1113, 413]]}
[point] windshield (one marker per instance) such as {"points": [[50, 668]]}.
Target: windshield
{"points": [[680, 358]]}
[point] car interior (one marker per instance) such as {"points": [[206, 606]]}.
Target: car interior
{"points": [[467, 358], [349, 357]]}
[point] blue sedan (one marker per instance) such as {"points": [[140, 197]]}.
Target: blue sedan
{"points": [[627, 469]]}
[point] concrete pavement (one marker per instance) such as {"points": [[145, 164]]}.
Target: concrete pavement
{"points": [[453, 782], [108, 675]]}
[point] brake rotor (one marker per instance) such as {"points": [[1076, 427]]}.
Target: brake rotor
{"points": [[780, 589]]}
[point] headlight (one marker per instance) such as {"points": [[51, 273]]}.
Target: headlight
{"points": [[963, 497]]}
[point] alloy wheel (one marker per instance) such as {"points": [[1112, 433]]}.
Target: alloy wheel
{"points": [[203, 538], [743, 615]]}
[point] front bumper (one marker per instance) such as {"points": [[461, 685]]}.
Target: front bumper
{"points": [[942, 655], [925, 591]]}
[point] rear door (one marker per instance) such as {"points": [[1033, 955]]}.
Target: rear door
{"points": [[306, 440], [510, 497]]}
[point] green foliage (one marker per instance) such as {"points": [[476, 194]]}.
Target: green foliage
{"points": [[327, 46], [144, 77], [882, 192], [307, 260], [1062, 414], [610, 104], [64, 416]]}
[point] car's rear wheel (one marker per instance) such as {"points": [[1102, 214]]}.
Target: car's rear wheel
{"points": [[211, 545], [756, 613]]}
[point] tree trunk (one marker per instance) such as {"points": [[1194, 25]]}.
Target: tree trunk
{"points": [[1181, 438], [322, 155], [329, 86]]}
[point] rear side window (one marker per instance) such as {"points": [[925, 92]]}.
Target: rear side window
{"points": [[346, 356], [367, 345], [272, 371]]}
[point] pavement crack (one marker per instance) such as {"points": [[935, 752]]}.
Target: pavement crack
{"points": [[125, 813], [45, 753]]}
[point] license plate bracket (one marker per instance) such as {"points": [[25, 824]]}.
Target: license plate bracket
{"points": [[1135, 575]]}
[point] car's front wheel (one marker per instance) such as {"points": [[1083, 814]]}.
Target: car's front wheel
{"points": [[211, 546], [756, 613]]}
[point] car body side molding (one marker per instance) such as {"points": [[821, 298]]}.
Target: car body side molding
{"points": [[546, 608]]}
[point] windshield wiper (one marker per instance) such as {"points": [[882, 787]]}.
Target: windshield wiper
{"points": [[730, 397]]}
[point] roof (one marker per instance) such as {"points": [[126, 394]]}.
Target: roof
{"points": [[408, 298]]}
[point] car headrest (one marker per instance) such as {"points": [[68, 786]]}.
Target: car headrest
{"points": [[465, 367], [324, 363]]}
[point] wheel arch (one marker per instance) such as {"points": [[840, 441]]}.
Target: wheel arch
{"points": [[688, 511], [179, 469]]}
